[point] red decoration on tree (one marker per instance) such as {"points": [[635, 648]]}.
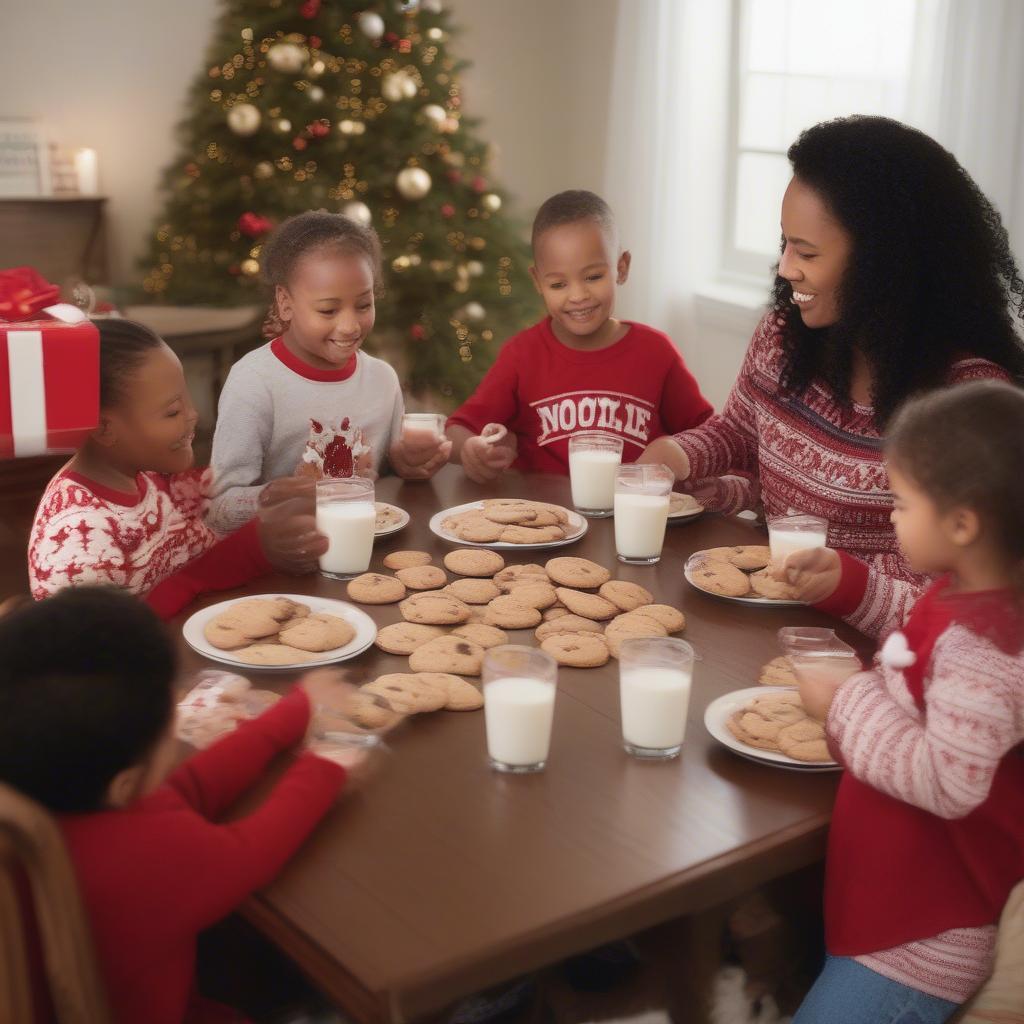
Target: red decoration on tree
{"points": [[319, 129], [253, 224], [391, 38], [454, 176], [299, 143], [310, 9], [405, 46], [479, 184], [447, 210], [417, 332], [315, 42]]}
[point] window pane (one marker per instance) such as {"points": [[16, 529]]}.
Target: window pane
{"points": [[762, 113], [760, 183], [767, 29]]}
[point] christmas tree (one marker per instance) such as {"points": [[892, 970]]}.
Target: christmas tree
{"points": [[326, 104]]}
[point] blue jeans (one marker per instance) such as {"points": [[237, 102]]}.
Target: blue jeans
{"points": [[847, 992]]}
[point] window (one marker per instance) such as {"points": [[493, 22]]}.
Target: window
{"points": [[795, 63]]}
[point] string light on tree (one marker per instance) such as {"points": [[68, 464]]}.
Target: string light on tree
{"points": [[359, 212], [288, 58], [371, 24], [491, 202], [435, 114]]}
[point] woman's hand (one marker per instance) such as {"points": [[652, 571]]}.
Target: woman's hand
{"points": [[666, 451]]}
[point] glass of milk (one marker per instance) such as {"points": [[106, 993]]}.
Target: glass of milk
{"points": [[519, 705], [787, 534], [347, 517], [423, 428], [823, 668], [655, 674], [641, 512], [594, 459]]}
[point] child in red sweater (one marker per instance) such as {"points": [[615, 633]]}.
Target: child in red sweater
{"points": [[128, 508], [927, 836], [579, 368], [87, 729]]}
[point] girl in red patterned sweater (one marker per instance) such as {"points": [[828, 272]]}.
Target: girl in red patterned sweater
{"points": [[895, 276], [127, 510], [927, 836]]}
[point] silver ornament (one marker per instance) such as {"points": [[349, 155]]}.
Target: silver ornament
{"points": [[244, 119], [371, 24], [359, 212], [413, 183]]}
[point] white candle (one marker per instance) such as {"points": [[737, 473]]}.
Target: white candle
{"points": [[87, 172]]}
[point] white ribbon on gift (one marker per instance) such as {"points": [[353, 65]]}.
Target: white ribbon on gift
{"points": [[27, 383]]}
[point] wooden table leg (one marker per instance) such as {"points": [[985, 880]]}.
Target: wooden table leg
{"points": [[698, 941]]}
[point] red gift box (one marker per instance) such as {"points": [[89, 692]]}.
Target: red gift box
{"points": [[49, 369]]}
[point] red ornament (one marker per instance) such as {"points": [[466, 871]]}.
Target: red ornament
{"points": [[299, 143], [455, 177], [315, 42], [310, 9], [417, 332], [391, 38], [405, 46], [234, 270], [253, 225], [479, 184], [318, 129], [447, 210]]}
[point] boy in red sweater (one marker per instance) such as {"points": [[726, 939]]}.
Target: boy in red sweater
{"points": [[87, 729], [579, 368]]}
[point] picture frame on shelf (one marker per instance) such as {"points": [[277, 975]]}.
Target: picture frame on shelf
{"points": [[24, 159]]}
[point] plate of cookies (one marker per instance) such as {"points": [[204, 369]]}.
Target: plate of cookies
{"points": [[279, 631], [682, 508], [509, 523], [390, 519], [739, 574], [768, 725]]}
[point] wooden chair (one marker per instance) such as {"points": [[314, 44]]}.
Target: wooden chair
{"points": [[32, 851]]}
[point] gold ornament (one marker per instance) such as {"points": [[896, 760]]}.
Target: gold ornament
{"points": [[359, 212], [244, 119], [413, 183], [263, 170], [316, 69], [474, 268], [283, 125], [288, 58], [465, 353], [491, 202], [250, 267]]}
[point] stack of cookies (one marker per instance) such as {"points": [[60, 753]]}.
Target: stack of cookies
{"points": [[511, 521], [579, 614], [269, 631], [778, 722], [739, 571]]}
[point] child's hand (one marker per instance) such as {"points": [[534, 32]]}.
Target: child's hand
{"points": [[813, 573], [665, 451], [415, 460], [485, 459], [329, 689], [287, 525], [817, 692]]}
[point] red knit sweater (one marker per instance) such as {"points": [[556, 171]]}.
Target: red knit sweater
{"points": [[155, 874], [808, 453]]}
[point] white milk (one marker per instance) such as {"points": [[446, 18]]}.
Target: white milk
{"points": [[784, 542], [349, 527], [654, 703], [833, 669], [518, 714], [592, 475], [640, 524]]}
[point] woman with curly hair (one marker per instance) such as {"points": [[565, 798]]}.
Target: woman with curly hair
{"points": [[895, 276]]}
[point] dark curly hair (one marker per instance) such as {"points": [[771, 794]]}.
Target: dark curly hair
{"points": [[931, 277]]}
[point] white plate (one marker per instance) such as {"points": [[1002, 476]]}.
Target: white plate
{"points": [[388, 530], [577, 523], [365, 627], [757, 602], [719, 711]]}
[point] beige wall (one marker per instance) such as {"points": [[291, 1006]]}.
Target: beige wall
{"points": [[114, 76]]}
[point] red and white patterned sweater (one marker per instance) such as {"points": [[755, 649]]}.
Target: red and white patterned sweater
{"points": [[808, 453], [933, 727], [153, 543]]}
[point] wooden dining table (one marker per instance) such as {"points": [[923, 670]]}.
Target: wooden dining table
{"points": [[437, 876]]}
